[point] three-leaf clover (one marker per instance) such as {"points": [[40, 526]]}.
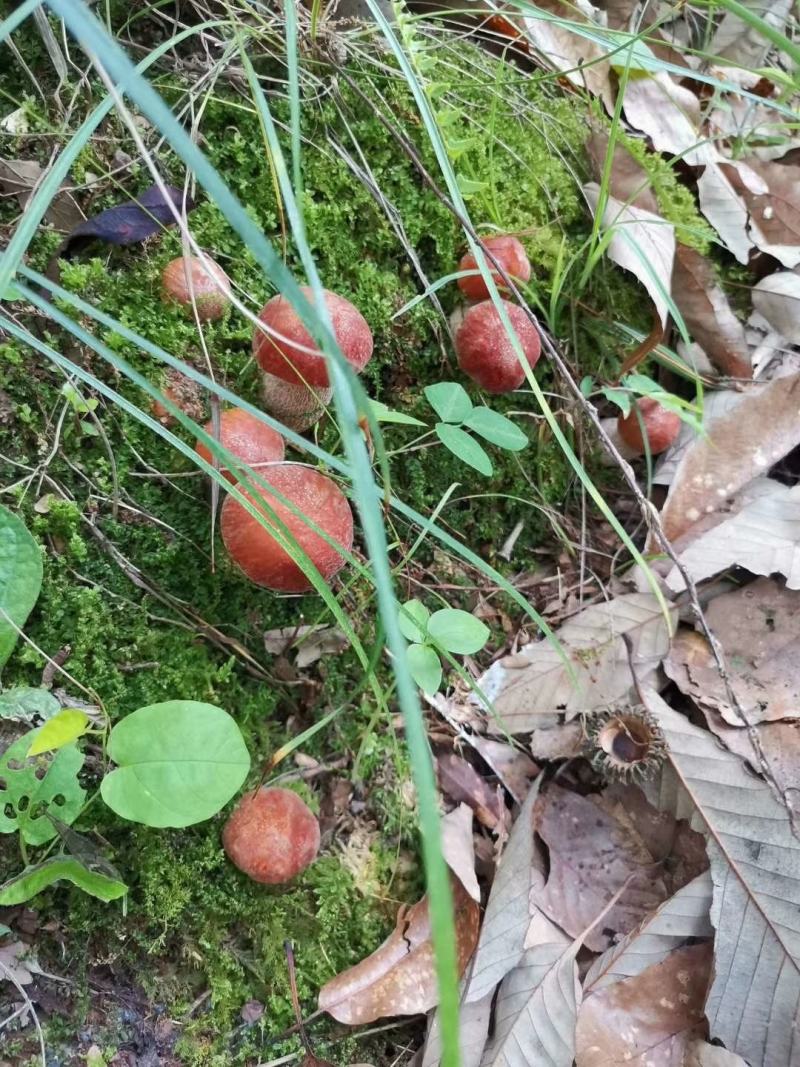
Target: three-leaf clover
{"points": [[447, 630], [458, 417]]}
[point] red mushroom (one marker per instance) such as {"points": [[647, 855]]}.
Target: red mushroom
{"points": [[257, 551], [247, 438], [485, 351], [509, 253], [296, 386], [204, 280], [271, 835], [661, 425]]}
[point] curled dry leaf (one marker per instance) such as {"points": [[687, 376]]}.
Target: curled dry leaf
{"points": [[760, 531], [774, 213], [741, 445], [670, 116], [581, 59], [399, 978], [753, 1005], [514, 769], [777, 298], [595, 849], [311, 642], [641, 242], [463, 784], [725, 210], [708, 315], [648, 1019], [591, 669]]}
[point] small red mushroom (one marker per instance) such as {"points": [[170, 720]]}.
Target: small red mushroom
{"points": [[296, 386], [661, 425], [247, 437], [485, 351], [204, 280], [271, 835], [257, 551], [509, 253]]}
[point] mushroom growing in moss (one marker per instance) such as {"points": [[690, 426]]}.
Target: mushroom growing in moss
{"points": [[509, 253], [271, 835], [296, 386], [660, 424], [187, 278], [247, 437], [258, 551], [485, 351]]}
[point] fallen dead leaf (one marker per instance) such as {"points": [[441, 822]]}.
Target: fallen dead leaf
{"points": [[590, 670], [647, 1020], [725, 210], [19, 177], [512, 766], [13, 963], [744, 44], [563, 740], [700, 1054], [311, 642], [708, 315], [581, 60], [463, 784], [715, 404], [741, 445], [774, 215], [641, 242], [399, 978], [670, 116], [628, 180], [458, 850], [777, 298]]}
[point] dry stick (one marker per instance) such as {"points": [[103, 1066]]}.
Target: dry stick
{"points": [[648, 511]]}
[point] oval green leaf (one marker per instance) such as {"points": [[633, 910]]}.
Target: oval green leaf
{"points": [[465, 447], [457, 631], [178, 763], [59, 869], [425, 667], [412, 619], [65, 727], [497, 429], [20, 578], [449, 400]]}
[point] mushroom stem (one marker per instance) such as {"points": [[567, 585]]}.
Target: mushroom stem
{"points": [[298, 406]]}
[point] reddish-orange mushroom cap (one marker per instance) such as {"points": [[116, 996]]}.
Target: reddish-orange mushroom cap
{"points": [[290, 352], [209, 286], [485, 351], [271, 835], [509, 253], [257, 551], [661, 425], [247, 437]]}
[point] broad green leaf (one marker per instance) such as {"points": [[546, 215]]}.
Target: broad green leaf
{"points": [[65, 727], [458, 631], [587, 385], [20, 578], [449, 400], [26, 800], [178, 763], [25, 703], [465, 447], [425, 667], [620, 397], [413, 619], [496, 428], [384, 414], [60, 868]]}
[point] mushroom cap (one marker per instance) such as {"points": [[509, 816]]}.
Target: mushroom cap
{"points": [[271, 835], [661, 424], [247, 437], [510, 254], [257, 551], [210, 286], [485, 351], [292, 354]]}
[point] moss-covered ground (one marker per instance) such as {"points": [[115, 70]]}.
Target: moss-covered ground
{"points": [[196, 937]]}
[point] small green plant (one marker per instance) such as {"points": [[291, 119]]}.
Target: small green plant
{"points": [[640, 385], [171, 764], [448, 631]]}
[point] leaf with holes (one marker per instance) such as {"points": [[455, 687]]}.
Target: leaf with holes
{"points": [[496, 429], [463, 446], [178, 763], [20, 578], [60, 869], [30, 789], [457, 631], [449, 400]]}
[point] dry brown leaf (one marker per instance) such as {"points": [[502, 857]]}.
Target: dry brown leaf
{"points": [[745, 45], [647, 1020], [399, 978], [458, 849], [670, 116], [715, 404], [13, 963], [628, 180], [592, 856], [777, 298], [473, 1029], [463, 784], [708, 315], [774, 216], [514, 768], [700, 1053], [580, 59], [311, 642], [741, 445], [758, 626], [19, 177], [564, 740], [725, 210]]}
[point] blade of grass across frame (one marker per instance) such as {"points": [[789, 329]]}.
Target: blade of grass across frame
{"points": [[97, 42], [16, 18], [290, 18], [460, 210]]}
